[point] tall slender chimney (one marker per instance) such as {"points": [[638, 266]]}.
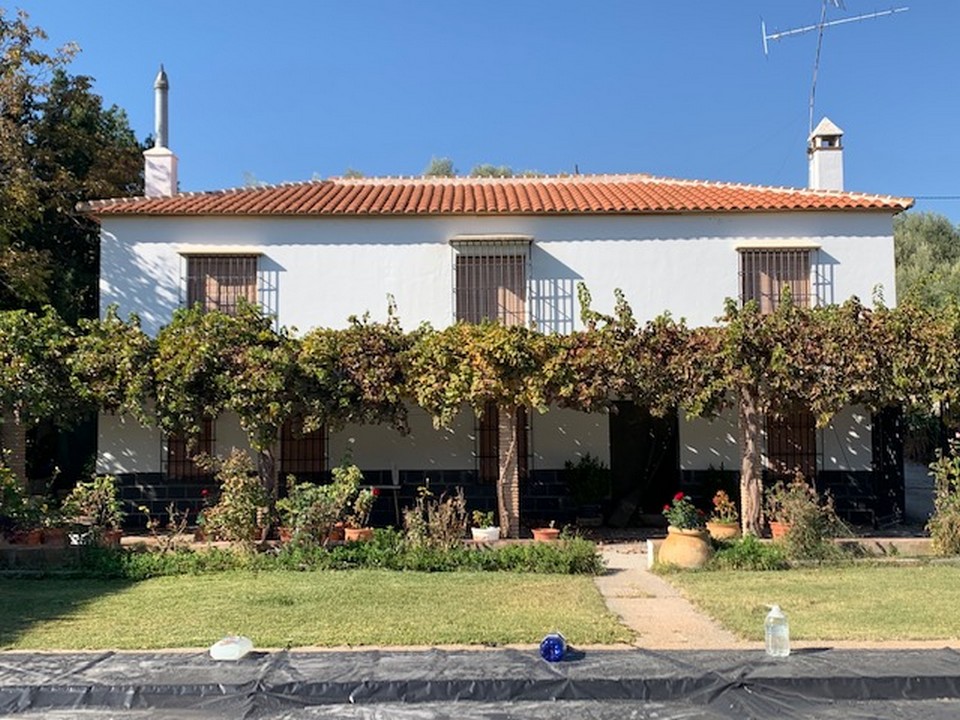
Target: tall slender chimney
{"points": [[825, 157], [160, 164]]}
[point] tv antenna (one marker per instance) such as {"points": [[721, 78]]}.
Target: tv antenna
{"points": [[820, 27]]}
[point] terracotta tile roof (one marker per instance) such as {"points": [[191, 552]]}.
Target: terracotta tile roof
{"points": [[572, 195]]}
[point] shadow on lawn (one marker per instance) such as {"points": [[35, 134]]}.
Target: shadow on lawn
{"points": [[33, 596]]}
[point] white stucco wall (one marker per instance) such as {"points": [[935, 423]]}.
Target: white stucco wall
{"points": [[318, 271], [127, 447], [706, 443], [847, 442], [377, 447], [560, 435]]}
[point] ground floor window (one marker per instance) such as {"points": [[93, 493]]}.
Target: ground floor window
{"points": [[181, 456]]}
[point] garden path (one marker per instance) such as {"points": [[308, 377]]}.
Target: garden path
{"points": [[653, 608]]}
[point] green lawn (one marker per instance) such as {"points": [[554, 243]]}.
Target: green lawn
{"points": [[276, 609], [862, 602]]}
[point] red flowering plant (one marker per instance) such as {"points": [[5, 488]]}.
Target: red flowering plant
{"points": [[682, 514]]}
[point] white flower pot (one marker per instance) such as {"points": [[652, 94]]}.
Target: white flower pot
{"points": [[486, 535]]}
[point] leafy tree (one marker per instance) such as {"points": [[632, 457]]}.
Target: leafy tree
{"points": [[112, 365], [487, 170], [927, 249], [34, 378], [353, 174], [58, 146], [207, 363], [354, 375], [474, 365], [440, 167]]}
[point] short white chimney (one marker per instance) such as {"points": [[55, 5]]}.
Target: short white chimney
{"points": [[825, 157], [160, 164]]}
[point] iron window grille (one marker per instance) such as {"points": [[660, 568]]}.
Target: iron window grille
{"points": [[488, 443], [490, 277], [766, 273], [302, 454], [219, 282], [792, 445], [181, 455]]}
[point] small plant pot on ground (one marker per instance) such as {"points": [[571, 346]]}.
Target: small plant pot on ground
{"points": [[55, 536], [364, 534], [110, 538], [546, 534], [723, 530], [485, 534], [778, 529]]}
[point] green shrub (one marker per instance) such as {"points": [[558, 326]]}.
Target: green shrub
{"points": [[96, 503], [944, 524], [387, 550], [436, 523], [748, 553], [239, 512], [812, 522]]}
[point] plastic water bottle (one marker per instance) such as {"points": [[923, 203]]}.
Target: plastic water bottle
{"points": [[553, 647], [776, 633]]}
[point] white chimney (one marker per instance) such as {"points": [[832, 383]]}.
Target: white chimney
{"points": [[825, 157], [160, 164]]}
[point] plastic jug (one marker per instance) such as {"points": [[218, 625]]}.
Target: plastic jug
{"points": [[776, 633], [553, 647], [232, 647]]}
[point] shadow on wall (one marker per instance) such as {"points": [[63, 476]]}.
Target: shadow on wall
{"points": [[137, 283], [553, 292]]}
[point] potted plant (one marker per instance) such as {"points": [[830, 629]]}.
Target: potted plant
{"points": [[724, 522], [546, 534], [687, 544], [787, 503], [356, 525], [310, 513], [96, 504], [482, 528]]}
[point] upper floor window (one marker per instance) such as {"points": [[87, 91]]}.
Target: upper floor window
{"points": [[218, 282], [490, 278], [766, 273]]}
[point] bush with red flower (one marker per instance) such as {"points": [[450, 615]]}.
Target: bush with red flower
{"points": [[682, 514]]}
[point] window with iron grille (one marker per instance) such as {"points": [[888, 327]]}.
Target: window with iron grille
{"points": [[181, 463], [218, 282], [490, 280], [488, 443], [765, 273], [302, 454], [792, 444]]}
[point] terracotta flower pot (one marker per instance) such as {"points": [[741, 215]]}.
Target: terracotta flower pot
{"points": [[55, 536], [778, 529], [110, 538], [285, 534], [723, 530], [336, 533], [364, 534], [547, 534], [685, 548]]}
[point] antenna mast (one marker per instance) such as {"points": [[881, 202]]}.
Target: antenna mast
{"points": [[820, 27]]}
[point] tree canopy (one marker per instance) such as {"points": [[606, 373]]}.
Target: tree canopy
{"points": [[58, 145], [927, 249]]}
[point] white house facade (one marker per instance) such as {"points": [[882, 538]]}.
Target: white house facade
{"points": [[514, 249]]}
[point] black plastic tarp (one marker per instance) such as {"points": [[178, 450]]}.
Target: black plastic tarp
{"points": [[503, 684]]}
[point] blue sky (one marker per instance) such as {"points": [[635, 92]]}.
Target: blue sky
{"points": [[295, 89]]}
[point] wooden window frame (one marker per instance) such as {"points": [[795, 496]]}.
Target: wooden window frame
{"points": [[491, 278]]}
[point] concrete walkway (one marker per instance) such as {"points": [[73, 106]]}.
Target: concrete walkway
{"points": [[664, 620], [653, 608]]}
